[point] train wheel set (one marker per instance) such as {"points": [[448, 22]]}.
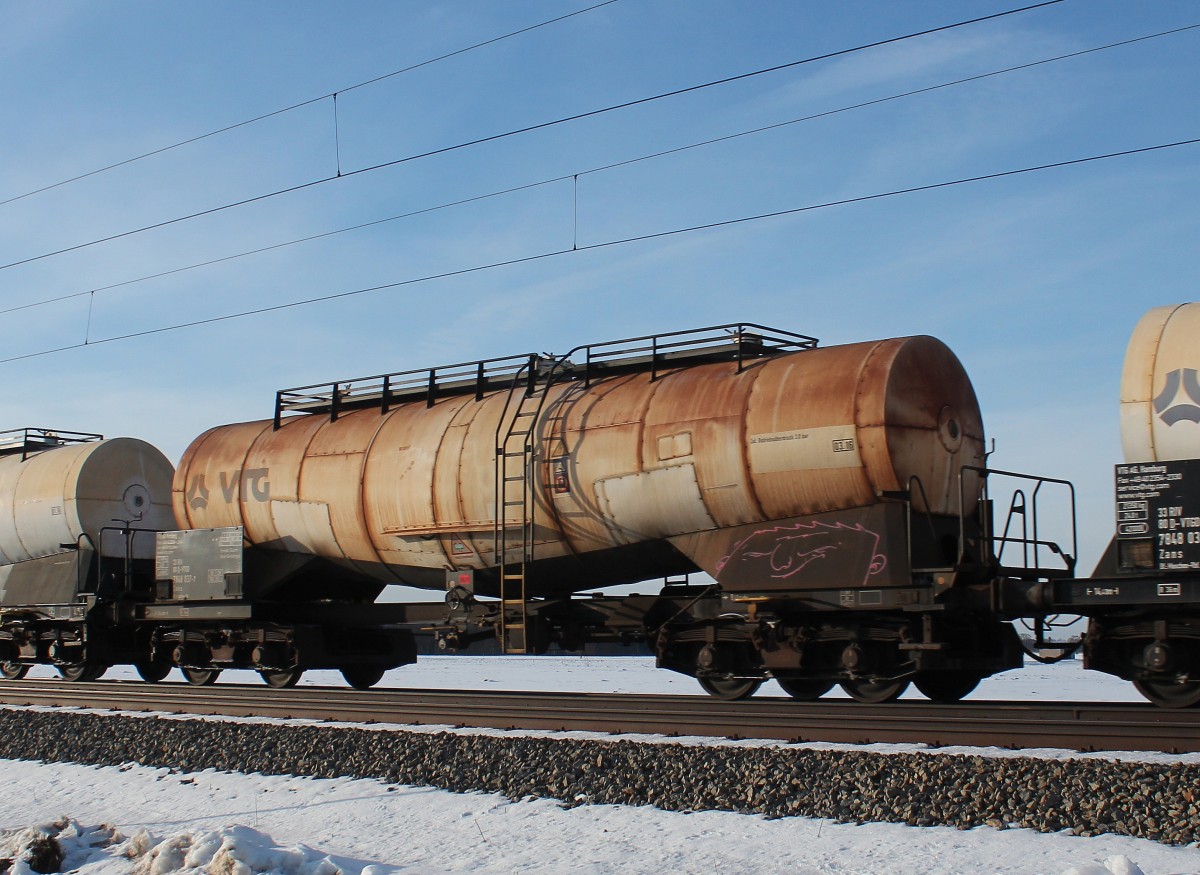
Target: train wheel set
{"points": [[837, 499]]}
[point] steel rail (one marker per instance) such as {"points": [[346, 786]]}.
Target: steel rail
{"points": [[1086, 726]]}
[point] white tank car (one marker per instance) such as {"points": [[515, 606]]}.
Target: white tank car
{"points": [[53, 494], [1160, 386]]}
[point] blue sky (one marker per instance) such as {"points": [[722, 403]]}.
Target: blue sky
{"points": [[1035, 280]]}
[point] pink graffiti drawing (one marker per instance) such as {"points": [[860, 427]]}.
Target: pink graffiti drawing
{"points": [[785, 551]]}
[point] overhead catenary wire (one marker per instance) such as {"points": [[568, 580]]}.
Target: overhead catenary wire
{"points": [[623, 241], [309, 102], [527, 129], [574, 177], [337, 138]]}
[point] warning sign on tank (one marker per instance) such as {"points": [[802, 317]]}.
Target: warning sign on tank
{"points": [[559, 479]]}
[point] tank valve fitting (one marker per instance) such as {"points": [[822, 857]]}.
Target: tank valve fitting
{"points": [[459, 598]]}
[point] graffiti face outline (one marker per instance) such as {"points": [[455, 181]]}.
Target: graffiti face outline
{"points": [[785, 552]]}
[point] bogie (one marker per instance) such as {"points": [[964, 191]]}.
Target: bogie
{"points": [[804, 689], [730, 689], [200, 677], [946, 686], [13, 670], [1170, 694], [281, 678], [875, 692], [152, 671], [82, 671], [362, 677]]}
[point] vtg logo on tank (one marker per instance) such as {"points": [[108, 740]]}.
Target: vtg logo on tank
{"points": [[253, 481], [1170, 406]]}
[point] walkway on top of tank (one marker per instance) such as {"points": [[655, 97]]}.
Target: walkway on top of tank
{"points": [[33, 440], [734, 342]]}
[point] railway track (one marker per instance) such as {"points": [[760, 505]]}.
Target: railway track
{"points": [[1074, 725]]}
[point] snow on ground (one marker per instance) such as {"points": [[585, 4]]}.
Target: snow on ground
{"points": [[418, 830], [240, 824]]}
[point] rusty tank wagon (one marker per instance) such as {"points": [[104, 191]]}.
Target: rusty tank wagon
{"points": [[788, 472]]}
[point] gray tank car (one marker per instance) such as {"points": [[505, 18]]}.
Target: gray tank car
{"points": [[88, 556]]}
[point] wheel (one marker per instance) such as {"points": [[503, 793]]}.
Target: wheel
{"points": [[874, 692], [152, 672], [281, 678], [946, 686], [200, 677], [1165, 694], [82, 672], [730, 689], [803, 689], [362, 677], [14, 671]]}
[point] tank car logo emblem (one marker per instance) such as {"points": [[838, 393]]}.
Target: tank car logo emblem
{"points": [[197, 496], [1168, 411]]}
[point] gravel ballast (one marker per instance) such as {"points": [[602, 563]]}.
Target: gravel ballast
{"points": [[1087, 795]]}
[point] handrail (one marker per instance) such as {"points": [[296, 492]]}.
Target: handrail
{"points": [[1029, 509], [32, 440], [914, 480], [383, 390], [740, 342]]}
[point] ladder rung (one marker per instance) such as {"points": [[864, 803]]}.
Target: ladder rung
{"points": [[508, 455], [520, 479], [526, 413]]}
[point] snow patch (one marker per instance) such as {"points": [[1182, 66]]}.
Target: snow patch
{"points": [[1118, 865], [64, 845]]}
